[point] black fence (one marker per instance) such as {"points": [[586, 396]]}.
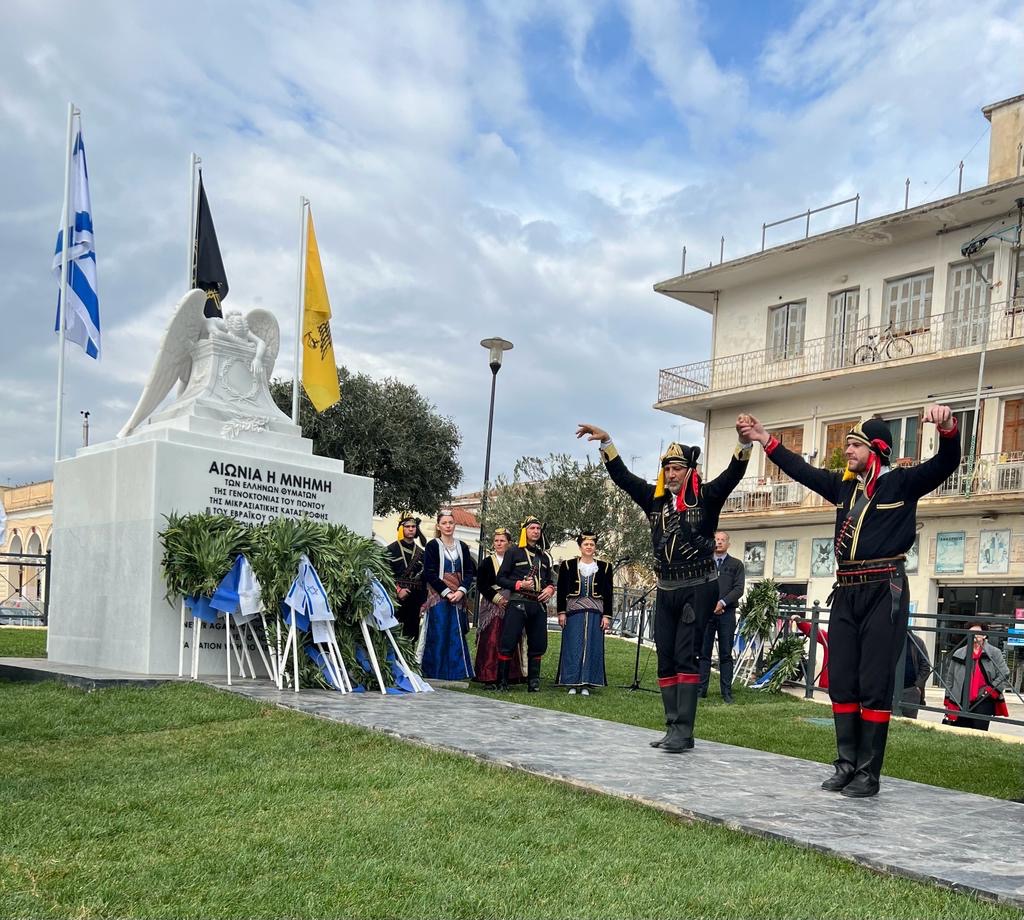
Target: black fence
{"points": [[953, 642], [25, 589]]}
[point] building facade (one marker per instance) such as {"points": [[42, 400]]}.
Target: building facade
{"points": [[28, 511], [885, 316]]}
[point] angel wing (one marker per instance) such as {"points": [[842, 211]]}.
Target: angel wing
{"points": [[174, 360], [263, 325]]}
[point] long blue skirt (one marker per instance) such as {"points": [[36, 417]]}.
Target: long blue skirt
{"points": [[445, 650], [581, 661]]}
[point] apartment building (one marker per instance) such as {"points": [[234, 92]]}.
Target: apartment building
{"points": [[882, 316]]}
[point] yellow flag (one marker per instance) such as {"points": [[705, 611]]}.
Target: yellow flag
{"points": [[319, 372]]}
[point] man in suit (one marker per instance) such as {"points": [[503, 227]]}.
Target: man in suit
{"points": [[723, 624]]}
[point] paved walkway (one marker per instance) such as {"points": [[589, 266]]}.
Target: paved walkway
{"points": [[909, 829]]}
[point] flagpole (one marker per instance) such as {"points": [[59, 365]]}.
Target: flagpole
{"points": [[63, 297], [301, 300], [193, 162]]}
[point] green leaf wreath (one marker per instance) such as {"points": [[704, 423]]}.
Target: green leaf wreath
{"points": [[199, 550]]}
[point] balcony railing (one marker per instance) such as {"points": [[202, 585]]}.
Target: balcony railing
{"points": [[994, 474], [952, 331]]}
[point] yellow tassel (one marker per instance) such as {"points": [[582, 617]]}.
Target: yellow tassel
{"points": [[848, 474], [522, 536], [659, 486]]}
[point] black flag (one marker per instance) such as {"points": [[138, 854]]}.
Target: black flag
{"points": [[209, 271]]}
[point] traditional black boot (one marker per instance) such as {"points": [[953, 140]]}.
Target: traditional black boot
{"points": [[668, 700], [533, 676], [847, 737], [503, 675], [870, 753], [680, 732]]}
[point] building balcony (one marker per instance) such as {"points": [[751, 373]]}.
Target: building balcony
{"points": [[692, 389], [997, 480]]}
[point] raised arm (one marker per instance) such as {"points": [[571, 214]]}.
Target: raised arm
{"points": [[641, 491], [825, 482], [720, 488], [928, 476]]}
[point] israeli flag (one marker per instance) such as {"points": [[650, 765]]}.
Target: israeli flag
{"points": [[383, 616], [82, 313]]}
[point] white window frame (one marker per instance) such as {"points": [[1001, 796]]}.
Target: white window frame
{"points": [[907, 302], [898, 426], [786, 336]]}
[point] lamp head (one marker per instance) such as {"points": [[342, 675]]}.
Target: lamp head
{"points": [[495, 347]]}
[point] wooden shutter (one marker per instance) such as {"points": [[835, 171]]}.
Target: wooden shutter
{"points": [[792, 439], [1013, 427], [835, 436]]}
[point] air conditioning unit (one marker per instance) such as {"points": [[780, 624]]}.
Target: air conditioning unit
{"points": [[786, 493]]}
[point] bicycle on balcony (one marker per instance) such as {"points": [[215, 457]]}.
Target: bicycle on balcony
{"points": [[886, 345]]}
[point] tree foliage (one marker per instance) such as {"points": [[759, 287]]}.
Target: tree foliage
{"points": [[570, 496], [385, 429]]}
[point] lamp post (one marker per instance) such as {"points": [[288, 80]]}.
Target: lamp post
{"points": [[495, 347]]}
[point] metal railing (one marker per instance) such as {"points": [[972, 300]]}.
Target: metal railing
{"points": [[807, 214], [994, 474], [954, 331], [17, 606], [951, 632]]}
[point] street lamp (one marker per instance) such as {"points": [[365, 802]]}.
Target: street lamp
{"points": [[495, 347]]}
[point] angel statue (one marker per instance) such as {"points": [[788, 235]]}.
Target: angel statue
{"points": [[210, 375]]}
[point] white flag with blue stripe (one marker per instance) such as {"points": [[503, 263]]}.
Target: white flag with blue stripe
{"points": [[82, 316]]}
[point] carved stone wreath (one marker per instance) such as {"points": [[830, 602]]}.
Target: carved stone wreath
{"points": [[240, 423]]}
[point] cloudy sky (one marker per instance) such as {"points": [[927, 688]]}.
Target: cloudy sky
{"points": [[523, 169]]}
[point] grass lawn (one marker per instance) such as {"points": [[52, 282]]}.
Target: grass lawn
{"points": [[185, 802], [22, 642], [785, 725]]}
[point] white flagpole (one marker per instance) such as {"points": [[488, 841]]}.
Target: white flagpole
{"points": [[66, 219], [193, 162], [301, 300]]}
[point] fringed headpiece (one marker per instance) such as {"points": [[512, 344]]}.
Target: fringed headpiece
{"points": [[875, 434], [407, 517], [687, 456], [543, 543]]}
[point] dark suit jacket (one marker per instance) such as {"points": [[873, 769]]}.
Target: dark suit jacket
{"points": [[731, 579]]}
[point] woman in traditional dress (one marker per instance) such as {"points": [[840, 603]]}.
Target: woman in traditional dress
{"points": [[585, 615], [449, 571], [493, 600]]}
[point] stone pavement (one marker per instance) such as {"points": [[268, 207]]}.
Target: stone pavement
{"points": [[955, 839]]}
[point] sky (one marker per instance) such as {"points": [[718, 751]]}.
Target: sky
{"points": [[519, 169]]}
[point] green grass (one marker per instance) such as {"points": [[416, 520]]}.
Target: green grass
{"points": [[779, 723], [183, 802], [22, 642]]}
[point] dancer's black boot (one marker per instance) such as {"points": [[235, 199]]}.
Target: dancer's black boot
{"points": [[533, 675], [503, 674], [847, 735], [870, 753], [680, 732], [668, 700]]}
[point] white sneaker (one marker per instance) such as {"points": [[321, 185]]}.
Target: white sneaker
{"points": [[572, 691], [585, 692]]}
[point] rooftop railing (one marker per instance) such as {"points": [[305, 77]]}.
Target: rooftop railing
{"points": [[883, 344]]}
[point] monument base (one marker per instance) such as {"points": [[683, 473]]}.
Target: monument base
{"points": [[107, 604]]}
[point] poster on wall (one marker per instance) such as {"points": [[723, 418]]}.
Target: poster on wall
{"points": [[913, 555], [784, 563], [822, 557], [949, 552], [994, 552], [753, 557]]}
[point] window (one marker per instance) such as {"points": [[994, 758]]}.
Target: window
{"points": [[835, 444], [786, 330], [968, 296], [842, 326], [792, 439], [965, 419], [906, 431], [907, 302], [1012, 443]]}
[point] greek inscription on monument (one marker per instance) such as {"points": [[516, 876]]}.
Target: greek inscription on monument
{"points": [[255, 494]]}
